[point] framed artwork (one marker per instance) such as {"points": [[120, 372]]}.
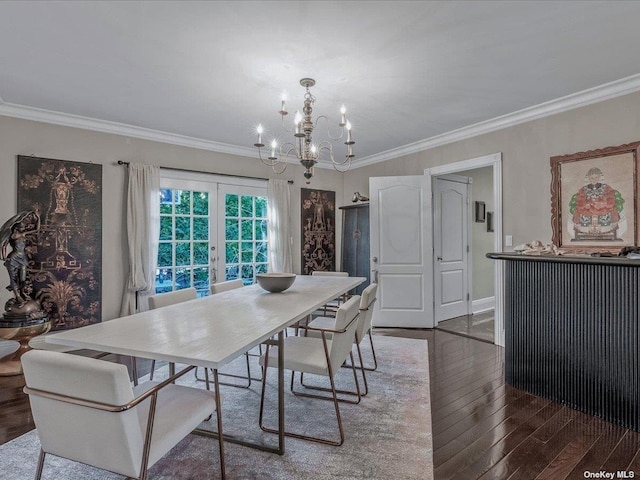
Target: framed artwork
{"points": [[594, 199], [480, 212], [489, 221], [318, 224], [65, 259]]}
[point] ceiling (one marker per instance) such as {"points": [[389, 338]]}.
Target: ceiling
{"points": [[211, 71]]}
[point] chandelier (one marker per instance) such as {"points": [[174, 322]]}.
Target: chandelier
{"points": [[303, 147]]}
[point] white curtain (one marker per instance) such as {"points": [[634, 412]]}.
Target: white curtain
{"points": [[280, 239], [143, 228]]}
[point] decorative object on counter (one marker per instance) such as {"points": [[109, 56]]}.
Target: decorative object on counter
{"points": [[318, 230], [358, 197], [303, 147], [67, 254], [23, 318], [275, 282], [480, 212], [536, 247], [630, 252], [593, 199]]}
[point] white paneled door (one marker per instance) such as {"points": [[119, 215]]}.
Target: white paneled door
{"points": [[451, 247], [401, 258]]}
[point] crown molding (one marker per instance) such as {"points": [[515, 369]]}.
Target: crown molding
{"points": [[590, 96], [576, 100], [104, 126]]}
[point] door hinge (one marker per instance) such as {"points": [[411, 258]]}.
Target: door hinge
{"points": [[467, 248], [467, 297]]}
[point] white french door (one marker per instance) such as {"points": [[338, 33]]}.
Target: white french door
{"points": [[210, 231], [188, 235], [243, 233]]}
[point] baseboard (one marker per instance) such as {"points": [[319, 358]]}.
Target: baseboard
{"points": [[483, 305]]}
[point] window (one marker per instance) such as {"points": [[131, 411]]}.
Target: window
{"points": [[197, 215]]}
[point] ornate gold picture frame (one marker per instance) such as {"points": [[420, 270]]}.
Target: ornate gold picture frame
{"points": [[594, 199]]}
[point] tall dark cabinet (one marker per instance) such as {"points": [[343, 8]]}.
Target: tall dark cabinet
{"points": [[355, 243]]}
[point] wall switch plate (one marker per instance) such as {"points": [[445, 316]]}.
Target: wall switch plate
{"points": [[508, 241]]}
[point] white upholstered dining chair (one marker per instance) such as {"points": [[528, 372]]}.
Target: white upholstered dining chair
{"points": [[85, 410], [164, 300], [331, 307], [40, 343], [318, 356], [322, 273], [367, 300], [225, 287]]}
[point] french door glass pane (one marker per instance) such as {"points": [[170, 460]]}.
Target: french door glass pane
{"points": [[201, 203]]}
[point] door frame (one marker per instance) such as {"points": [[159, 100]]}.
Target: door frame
{"points": [[468, 181], [493, 160]]}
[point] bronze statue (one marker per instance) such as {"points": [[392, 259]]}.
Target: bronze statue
{"points": [[14, 234]]}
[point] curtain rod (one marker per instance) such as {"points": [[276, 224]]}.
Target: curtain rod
{"points": [[122, 162]]}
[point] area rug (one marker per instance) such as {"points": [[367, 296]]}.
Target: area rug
{"points": [[387, 436]]}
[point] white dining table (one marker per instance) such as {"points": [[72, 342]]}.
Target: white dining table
{"points": [[212, 331]]}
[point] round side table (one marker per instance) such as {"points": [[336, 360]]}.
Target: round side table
{"points": [[21, 332]]}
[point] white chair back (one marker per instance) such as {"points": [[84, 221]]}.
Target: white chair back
{"points": [[226, 286], [169, 298], [341, 343], [367, 300], [81, 433], [329, 274]]}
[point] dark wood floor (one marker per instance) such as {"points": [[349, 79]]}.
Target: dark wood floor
{"points": [[482, 428]]}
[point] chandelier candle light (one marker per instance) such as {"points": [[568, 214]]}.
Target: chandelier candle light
{"points": [[303, 147]]}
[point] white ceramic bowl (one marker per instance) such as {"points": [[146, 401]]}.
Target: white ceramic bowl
{"points": [[275, 282]]}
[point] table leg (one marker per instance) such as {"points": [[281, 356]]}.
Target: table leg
{"points": [[216, 385], [280, 393], [248, 442]]}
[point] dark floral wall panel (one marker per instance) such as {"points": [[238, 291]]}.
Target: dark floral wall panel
{"points": [[318, 230], [66, 257]]}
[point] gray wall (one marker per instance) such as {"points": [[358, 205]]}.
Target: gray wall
{"points": [[526, 150], [22, 137], [481, 240]]}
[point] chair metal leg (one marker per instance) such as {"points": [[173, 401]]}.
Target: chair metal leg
{"points": [[248, 377], [147, 439], [40, 464], [153, 367], [362, 370], [134, 370], [356, 394], [281, 404], [373, 351]]}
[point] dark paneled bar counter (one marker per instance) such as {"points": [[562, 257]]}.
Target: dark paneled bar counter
{"points": [[571, 332]]}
